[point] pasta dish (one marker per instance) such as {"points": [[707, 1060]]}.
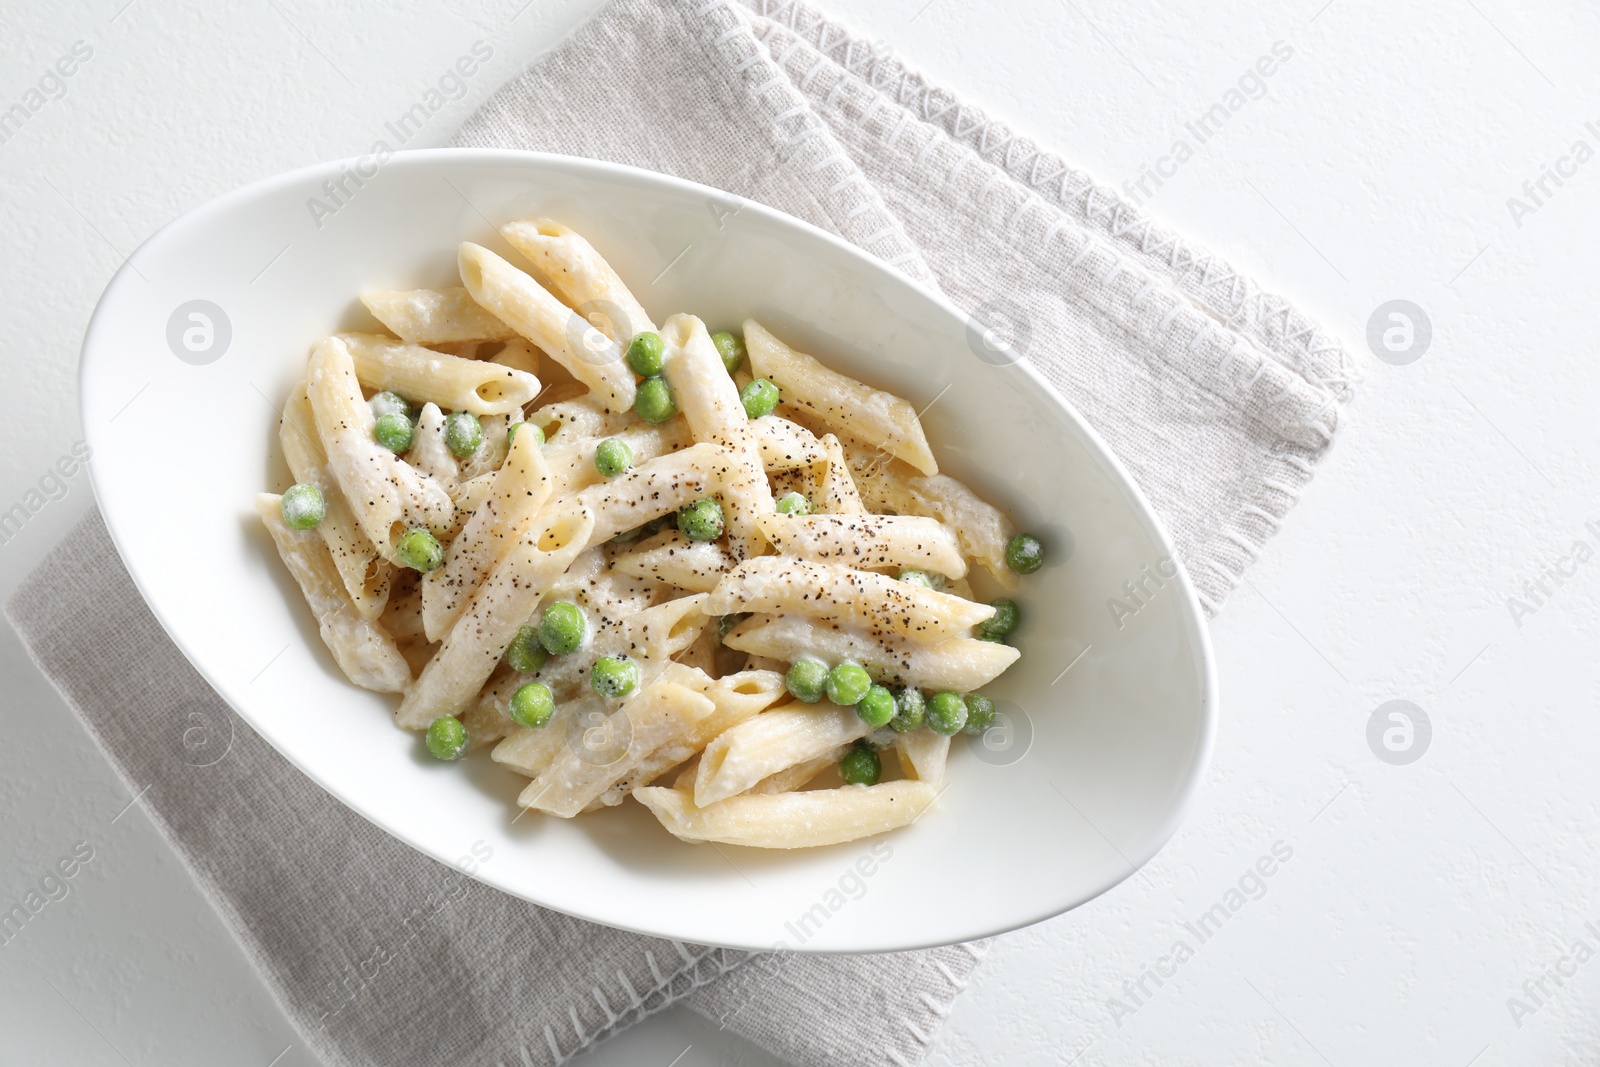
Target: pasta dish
{"points": [[703, 570]]}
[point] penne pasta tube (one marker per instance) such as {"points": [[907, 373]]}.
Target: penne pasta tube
{"points": [[491, 453], [712, 408], [577, 777], [365, 574], [365, 653], [387, 494], [491, 619], [650, 637], [571, 458], [519, 490], [402, 615], [981, 528], [868, 541], [486, 723], [777, 739], [429, 453], [801, 774], [672, 558], [785, 445], [577, 418], [791, 820], [737, 697], [922, 755], [651, 490], [839, 495], [421, 374], [834, 593], [569, 267], [961, 664], [839, 401], [435, 316], [518, 354], [513, 296]]}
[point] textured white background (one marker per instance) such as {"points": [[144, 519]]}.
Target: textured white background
{"points": [[1418, 899]]}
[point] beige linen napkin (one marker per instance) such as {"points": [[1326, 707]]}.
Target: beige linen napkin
{"points": [[1218, 397]]}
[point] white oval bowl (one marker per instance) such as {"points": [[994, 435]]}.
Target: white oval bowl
{"points": [[1099, 762]]}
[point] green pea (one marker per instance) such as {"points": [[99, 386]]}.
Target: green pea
{"points": [[807, 679], [701, 521], [562, 628], [463, 434], [389, 403], [909, 709], [302, 506], [614, 676], [925, 579], [1006, 617], [848, 683], [792, 503], [526, 655], [394, 431], [1024, 553], [419, 550], [994, 639], [877, 707], [730, 346], [759, 398], [861, 766], [612, 457], [947, 713], [533, 428], [980, 713], [447, 738], [644, 354], [653, 400], [532, 705]]}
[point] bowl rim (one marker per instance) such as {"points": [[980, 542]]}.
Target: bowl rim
{"points": [[1190, 612]]}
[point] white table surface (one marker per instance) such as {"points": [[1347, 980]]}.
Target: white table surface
{"points": [[1419, 898]]}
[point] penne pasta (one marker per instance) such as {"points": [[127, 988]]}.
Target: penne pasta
{"points": [[838, 495], [981, 528], [672, 558], [785, 445], [365, 574], [961, 664], [518, 491], [839, 401], [421, 374], [522, 303], [492, 449], [650, 637], [922, 755], [435, 316], [737, 697], [798, 776], [712, 408], [833, 593], [577, 778], [791, 820], [483, 632], [868, 541], [386, 494], [569, 267], [365, 653], [521, 523], [429, 454], [771, 742], [519, 354], [659, 487]]}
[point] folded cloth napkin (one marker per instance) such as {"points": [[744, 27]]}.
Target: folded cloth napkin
{"points": [[1218, 397]]}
